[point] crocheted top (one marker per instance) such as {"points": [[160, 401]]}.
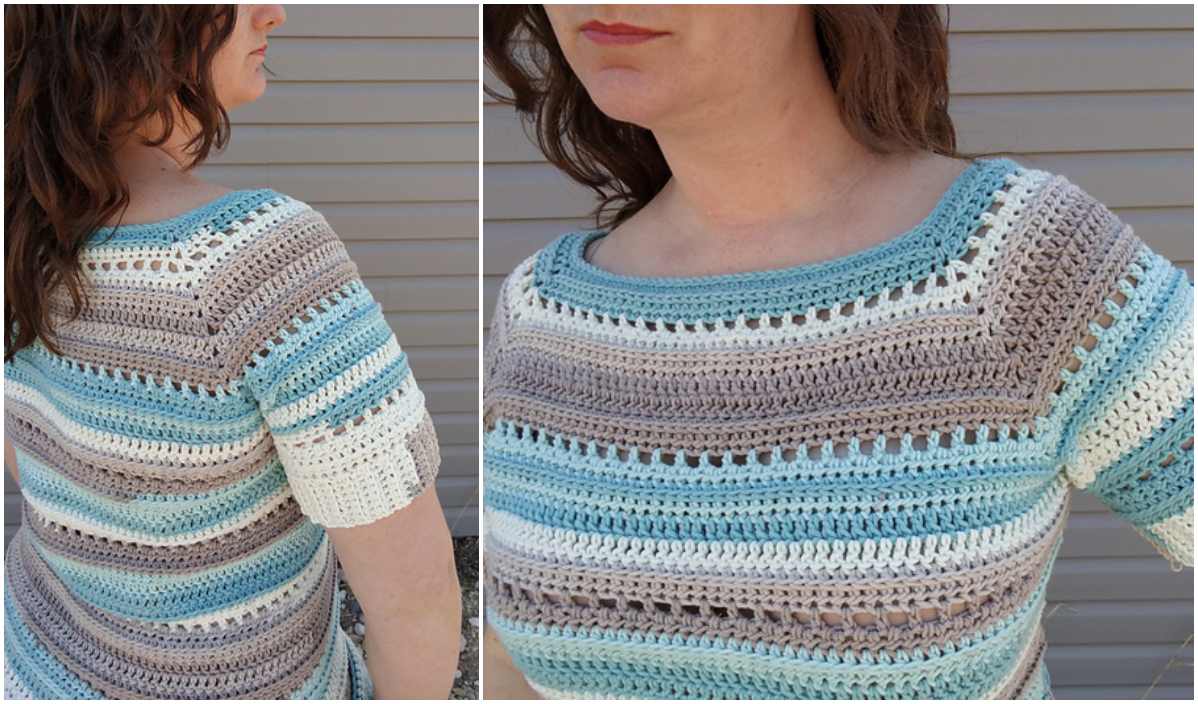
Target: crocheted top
{"points": [[231, 390], [845, 479]]}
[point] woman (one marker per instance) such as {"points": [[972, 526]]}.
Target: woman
{"points": [[800, 418], [205, 405]]}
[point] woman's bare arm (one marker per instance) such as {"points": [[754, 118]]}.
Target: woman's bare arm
{"points": [[401, 569], [10, 460], [501, 679]]}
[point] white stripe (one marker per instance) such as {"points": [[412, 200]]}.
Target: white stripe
{"points": [[48, 512], [336, 388], [1177, 535], [361, 474], [1161, 386], [293, 591], [773, 558], [183, 458], [189, 271]]}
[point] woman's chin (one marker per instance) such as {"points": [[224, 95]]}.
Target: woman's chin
{"points": [[628, 97], [251, 92]]}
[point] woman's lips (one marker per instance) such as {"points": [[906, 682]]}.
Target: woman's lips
{"points": [[261, 51], [618, 33]]}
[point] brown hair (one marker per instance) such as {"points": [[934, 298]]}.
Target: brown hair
{"points": [[78, 80], [887, 63]]}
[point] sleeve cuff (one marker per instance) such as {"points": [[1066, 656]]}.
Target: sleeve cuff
{"points": [[371, 469]]}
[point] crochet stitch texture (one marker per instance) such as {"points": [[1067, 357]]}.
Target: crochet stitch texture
{"points": [[231, 390], [845, 479]]}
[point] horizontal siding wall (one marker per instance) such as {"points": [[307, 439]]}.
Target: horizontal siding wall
{"points": [[1101, 94], [372, 118]]}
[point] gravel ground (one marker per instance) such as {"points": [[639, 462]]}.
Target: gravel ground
{"points": [[465, 684]]}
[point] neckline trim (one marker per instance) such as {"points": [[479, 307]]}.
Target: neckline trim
{"points": [[219, 212], [562, 273]]}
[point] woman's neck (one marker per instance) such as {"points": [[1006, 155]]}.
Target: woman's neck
{"points": [[788, 160], [159, 185], [768, 176], [772, 153]]}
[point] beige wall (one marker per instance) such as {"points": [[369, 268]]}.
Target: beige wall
{"points": [[1101, 94], [372, 117]]}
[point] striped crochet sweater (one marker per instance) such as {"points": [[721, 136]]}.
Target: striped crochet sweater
{"points": [[844, 479], [231, 390]]}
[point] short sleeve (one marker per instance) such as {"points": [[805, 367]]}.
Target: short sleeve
{"points": [[347, 418], [1129, 435]]}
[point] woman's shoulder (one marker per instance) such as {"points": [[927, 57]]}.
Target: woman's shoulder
{"points": [[545, 259], [1067, 215], [268, 257]]}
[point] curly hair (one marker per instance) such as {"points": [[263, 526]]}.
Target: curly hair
{"points": [[888, 65], [78, 81]]}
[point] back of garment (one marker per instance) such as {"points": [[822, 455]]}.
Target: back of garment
{"points": [[230, 390]]}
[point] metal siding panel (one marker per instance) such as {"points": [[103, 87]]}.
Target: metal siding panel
{"points": [[991, 18], [373, 102], [425, 293], [355, 183], [415, 257], [456, 328], [1119, 579], [380, 20], [373, 59], [398, 221], [443, 362], [1121, 664], [1074, 122], [1017, 62], [520, 191], [1124, 692], [1103, 535], [1110, 622], [340, 144]]}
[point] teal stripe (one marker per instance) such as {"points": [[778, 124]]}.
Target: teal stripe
{"points": [[160, 516], [160, 598], [1127, 343], [217, 214], [135, 410], [648, 665], [1168, 491], [331, 342], [36, 668], [562, 274]]}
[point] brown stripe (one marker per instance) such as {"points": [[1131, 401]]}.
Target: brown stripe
{"points": [[996, 367], [780, 611], [174, 559], [1063, 257], [261, 658], [123, 479], [250, 296]]}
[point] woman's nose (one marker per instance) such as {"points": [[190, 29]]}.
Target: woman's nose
{"points": [[270, 17]]}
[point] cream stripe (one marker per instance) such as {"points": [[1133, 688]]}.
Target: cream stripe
{"points": [[337, 388], [815, 558], [1177, 534], [182, 457], [182, 253], [47, 512], [1162, 385]]}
